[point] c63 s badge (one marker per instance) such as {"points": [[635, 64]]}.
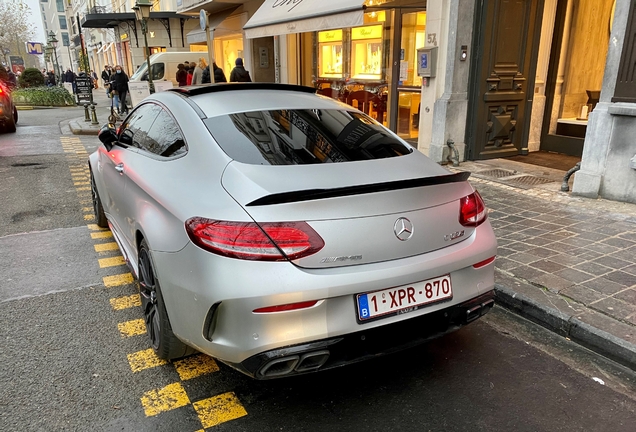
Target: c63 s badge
{"points": [[453, 236]]}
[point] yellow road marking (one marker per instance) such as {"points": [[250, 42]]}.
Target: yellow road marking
{"points": [[145, 359], [104, 247], [83, 188], [125, 302], [81, 183], [117, 280], [101, 235], [95, 227], [164, 399], [111, 262], [195, 366], [89, 217], [219, 409], [132, 328], [87, 209]]}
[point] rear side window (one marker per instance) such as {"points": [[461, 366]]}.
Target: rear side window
{"points": [[164, 137], [295, 137]]}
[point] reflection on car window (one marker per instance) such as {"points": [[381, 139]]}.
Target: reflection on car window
{"points": [[135, 130], [293, 137], [164, 137]]}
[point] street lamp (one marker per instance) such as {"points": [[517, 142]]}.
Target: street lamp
{"points": [[142, 13], [48, 50], [53, 41]]}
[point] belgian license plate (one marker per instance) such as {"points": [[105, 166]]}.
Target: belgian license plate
{"points": [[404, 299]]}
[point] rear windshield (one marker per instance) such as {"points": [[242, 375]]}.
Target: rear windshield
{"points": [[294, 137]]}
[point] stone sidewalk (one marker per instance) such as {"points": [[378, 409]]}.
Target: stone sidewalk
{"points": [[565, 262]]}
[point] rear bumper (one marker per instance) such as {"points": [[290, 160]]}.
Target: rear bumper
{"points": [[354, 347]]}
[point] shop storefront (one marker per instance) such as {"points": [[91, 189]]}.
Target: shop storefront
{"points": [[363, 54]]}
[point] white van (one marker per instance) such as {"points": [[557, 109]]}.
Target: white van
{"points": [[164, 65]]}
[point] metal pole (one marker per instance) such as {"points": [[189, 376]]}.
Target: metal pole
{"points": [[210, 52], [144, 29]]}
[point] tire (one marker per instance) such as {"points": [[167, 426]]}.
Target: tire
{"points": [[163, 341], [10, 125], [98, 209], [15, 115]]}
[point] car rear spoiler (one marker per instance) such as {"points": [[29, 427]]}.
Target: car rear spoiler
{"points": [[314, 194]]}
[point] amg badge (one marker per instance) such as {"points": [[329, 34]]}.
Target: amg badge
{"points": [[341, 258], [455, 235]]}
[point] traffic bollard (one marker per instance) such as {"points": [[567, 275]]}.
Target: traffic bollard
{"points": [[94, 120], [87, 116]]}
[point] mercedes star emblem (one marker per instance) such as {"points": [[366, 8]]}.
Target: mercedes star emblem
{"points": [[403, 229]]}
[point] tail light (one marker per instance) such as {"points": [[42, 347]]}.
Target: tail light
{"points": [[484, 263], [286, 307], [472, 210], [268, 241]]}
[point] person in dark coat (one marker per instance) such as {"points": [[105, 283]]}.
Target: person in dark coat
{"points": [[219, 75], [182, 75], [50, 78], [120, 85], [239, 74], [69, 77], [106, 77]]}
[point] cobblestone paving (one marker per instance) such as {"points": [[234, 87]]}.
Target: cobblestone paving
{"points": [[577, 251]]}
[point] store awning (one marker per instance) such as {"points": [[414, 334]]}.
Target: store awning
{"points": [[198, 36], [278, 17], [105, 47]]}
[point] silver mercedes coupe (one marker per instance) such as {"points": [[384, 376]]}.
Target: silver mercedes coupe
{"points": [[283, 232]]}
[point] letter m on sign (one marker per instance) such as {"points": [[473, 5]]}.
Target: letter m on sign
{"points": [[34, 48]]}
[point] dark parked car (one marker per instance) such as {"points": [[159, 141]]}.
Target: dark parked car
{"points": [[8, 111]]}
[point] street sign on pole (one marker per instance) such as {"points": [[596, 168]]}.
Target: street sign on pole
{"points": [[34, 48]]}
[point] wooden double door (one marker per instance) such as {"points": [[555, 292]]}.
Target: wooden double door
{"points": [[506, 45]]}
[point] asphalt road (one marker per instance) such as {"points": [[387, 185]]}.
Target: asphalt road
{"points": [[74, 357]]}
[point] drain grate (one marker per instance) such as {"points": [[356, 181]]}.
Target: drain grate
{"points": [[496, 173], [529, 180]]}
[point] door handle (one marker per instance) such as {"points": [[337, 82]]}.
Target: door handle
{"points": [[119, 168]]}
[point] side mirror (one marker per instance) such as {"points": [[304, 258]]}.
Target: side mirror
{"points": [[107, 135]]}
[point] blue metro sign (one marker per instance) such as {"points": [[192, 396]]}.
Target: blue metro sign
{"points": [[34, 48]]}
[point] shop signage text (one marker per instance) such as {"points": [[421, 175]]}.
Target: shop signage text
{"points": [[286, 3]]}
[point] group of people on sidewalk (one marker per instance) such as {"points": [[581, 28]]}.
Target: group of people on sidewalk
{"points": [[116, 80], [116, 84], [199, 73]]}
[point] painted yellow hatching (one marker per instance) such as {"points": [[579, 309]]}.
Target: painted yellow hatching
{"points": [[117, 280], [83, 188], [87, 209], [195, 366], [132, 328], [111, 262], [80, 183], [89, 217], [94, 227], [145, 359], [105, 247], [125, 302], [101, 235], [219, 409], [164, 399]]}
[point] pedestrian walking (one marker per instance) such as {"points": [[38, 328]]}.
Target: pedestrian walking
{"points": [[51, 78], [219, 75], [69, 77], [106, 78], [119, 85], [190, 73], [182, 75], [197, 75], [239, 74]]}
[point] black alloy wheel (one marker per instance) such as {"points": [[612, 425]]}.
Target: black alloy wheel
{"points": [[162, 339], [98, 209]]}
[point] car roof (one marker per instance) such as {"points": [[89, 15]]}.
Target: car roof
{"points": [[223, 87], [213, 100]]}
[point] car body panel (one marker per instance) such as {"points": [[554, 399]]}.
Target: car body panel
{"points": [[243, 286], [154, 196]]}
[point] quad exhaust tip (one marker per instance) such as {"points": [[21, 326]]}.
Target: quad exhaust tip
{"points": [[297, 363]]}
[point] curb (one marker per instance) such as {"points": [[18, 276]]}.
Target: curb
{"points": [[78, 130], [597, 340], [32, 107]]}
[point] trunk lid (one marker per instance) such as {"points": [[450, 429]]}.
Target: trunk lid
{"points": [[363, 211]]}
